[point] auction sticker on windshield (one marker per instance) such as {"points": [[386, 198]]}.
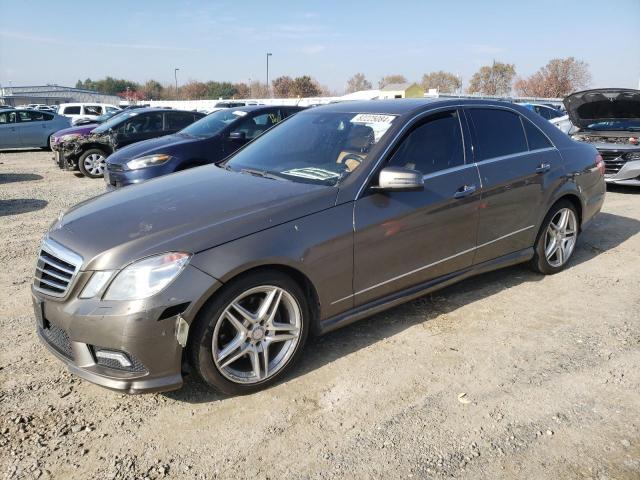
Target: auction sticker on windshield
{"points": [[377, 122]]}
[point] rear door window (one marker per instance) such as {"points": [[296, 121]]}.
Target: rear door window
{"points": [[71, 110], [178, 120], [498, 133], [535, 137], [433, 145], [92, 110], [31, 116], [7, 117]]}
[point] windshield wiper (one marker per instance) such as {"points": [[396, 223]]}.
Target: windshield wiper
{"points": [[261, 173]]}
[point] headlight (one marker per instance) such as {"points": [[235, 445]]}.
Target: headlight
{"points": [[147, 277], [96, 283], [66, 138], [148, 161]]}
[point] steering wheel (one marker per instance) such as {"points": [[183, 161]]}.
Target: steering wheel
{"points": [[352, 157]]}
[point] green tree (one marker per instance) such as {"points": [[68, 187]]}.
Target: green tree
{"points": [[444, 82], [220, 89], [305, 86], [494, 79]]}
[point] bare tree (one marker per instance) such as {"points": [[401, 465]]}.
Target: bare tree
{"points": [[444, 82], [493, 79], [357, 83], [258, 89], [557, 79], [193, 90], [242, 90], [283, 87], [389, 79]]}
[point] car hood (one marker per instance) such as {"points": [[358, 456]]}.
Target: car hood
{"points": [[190, 211], [165, 144], [587, 107], [81, 130]]}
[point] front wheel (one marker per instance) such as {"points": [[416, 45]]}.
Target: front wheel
{"points": [[250, 334], [92, 163], [557, 239]]}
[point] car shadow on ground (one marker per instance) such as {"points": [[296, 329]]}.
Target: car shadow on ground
{"points": [[21, 205], [24, 150], [606, 232], [18, 177], [628, 189]]}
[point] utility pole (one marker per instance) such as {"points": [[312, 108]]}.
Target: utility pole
{"points": [[268, 87], [175, 74]]}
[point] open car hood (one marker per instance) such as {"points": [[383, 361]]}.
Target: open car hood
{"points": [[590, 106]]}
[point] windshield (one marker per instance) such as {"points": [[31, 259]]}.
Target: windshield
{"points": [[113, 121], [632, 124], [314, 147], [213, 123]]}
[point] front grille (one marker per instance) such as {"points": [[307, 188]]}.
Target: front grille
{"points": [[56, 269], [58, 339], [613, 161]]}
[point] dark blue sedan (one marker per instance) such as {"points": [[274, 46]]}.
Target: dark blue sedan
{"points": [[208, 140]]}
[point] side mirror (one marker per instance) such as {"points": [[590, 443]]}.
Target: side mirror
{"points": [[399, 179], [238, 136]]}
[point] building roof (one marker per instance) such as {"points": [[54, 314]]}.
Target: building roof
{"points": [[392, 87]]}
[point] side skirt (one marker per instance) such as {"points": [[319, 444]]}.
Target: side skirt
{"points": [[421, 289]]}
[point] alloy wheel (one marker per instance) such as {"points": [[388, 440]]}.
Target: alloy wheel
{"points": [[95, 163], [560, 237], [256, 334]]}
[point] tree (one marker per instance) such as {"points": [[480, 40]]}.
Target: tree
{"points": [[495, 79], [220, 90], [305, 86], [242, 90], [556, 79], [357, 83], [283, 87], [151, 90], [108, 85], [258, 89], [193, 90], [444, 82], [389, 79]]}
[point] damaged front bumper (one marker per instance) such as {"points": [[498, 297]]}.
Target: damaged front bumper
{"points": [[128, 346]]}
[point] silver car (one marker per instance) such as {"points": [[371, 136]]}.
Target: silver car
{"points": [[29, 128]]}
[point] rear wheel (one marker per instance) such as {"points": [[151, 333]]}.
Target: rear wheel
{"points": [[557, 239], [92, 163], [250, 334]]}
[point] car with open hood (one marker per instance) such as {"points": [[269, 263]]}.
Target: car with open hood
{"points": [[334, 214], [609, 119], [208, 140]]}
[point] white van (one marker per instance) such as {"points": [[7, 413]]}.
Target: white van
{"points": [[81, 111]]}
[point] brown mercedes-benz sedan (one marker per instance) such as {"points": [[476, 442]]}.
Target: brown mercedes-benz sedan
{"points": [[336, 213]]}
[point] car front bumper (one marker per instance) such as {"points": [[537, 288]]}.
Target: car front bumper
{"points": [[145, 331]]}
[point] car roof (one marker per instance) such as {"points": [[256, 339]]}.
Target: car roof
{"points": [[404, 106], [138, 111], [253, 108]]}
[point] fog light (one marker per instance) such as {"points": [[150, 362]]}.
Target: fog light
{"points": [[119, 357]]}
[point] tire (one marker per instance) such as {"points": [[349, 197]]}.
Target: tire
{"points": [[92, 163], [227, 348], [548, 258]]}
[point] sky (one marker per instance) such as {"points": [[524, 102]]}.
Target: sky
{"points": [[46, 42]]}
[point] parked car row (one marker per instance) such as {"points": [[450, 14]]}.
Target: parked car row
{"points": [[320, 217]]}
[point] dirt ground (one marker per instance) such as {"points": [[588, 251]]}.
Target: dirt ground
{"points": [[506, 375]]}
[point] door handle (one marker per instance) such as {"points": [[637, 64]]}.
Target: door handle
{"points": [[543, 168], [464, 191]]}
